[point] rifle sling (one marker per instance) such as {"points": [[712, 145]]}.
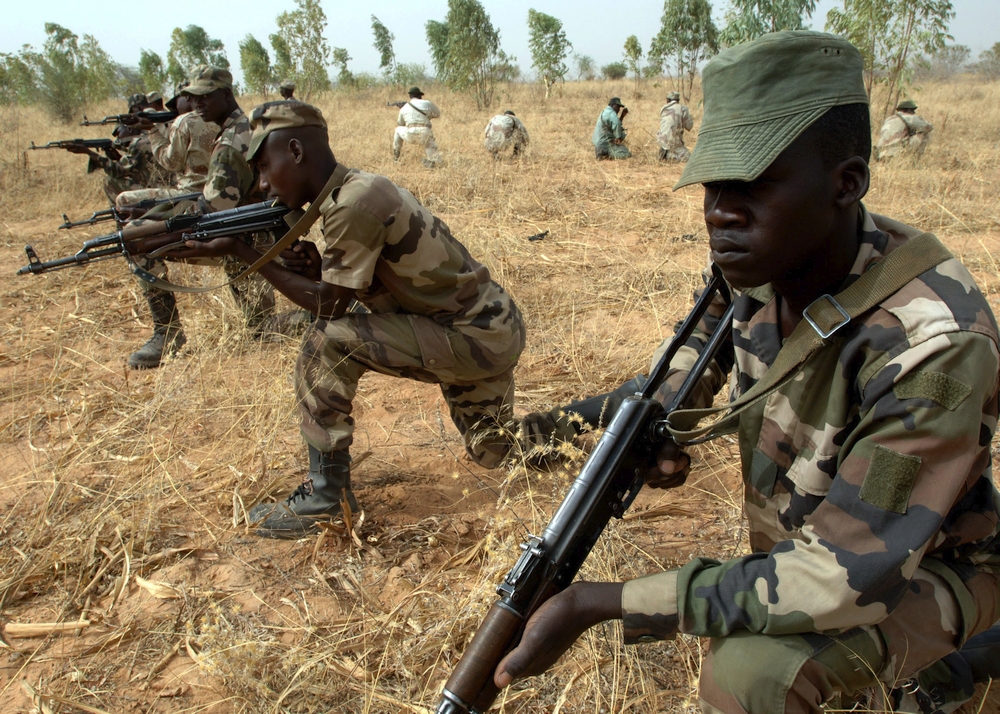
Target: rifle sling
{"points": [[300, 228], [417, 108], [827, 315]]}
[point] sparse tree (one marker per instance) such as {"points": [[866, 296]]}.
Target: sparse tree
{"points": [[256, 65], [61, 72], [383, 43], [549, 48], [889, 33], [308, 51], [615, 70], [191, 47], [152, 71], [584, 66], [687, 37], [410, 73], [749, 19], [284, 68], [102, 76], [633, 55], [466, 51], [945, 63], [989, 63], [340, 59], [19, 80]]}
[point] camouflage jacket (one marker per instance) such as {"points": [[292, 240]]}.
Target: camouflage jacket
{"points": [[505, 130], [876, 457], [674, 120], [901, 132], [185, 148], [399, 258], [608, 128], [135, 169], [417, 112], [230, 182]]}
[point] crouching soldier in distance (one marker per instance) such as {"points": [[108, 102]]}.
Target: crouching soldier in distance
{"points": [[865, 399], [434, 314]]}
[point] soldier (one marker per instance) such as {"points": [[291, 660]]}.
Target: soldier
{"points": [[903, 133], [505, 132], [609, 134], [230, 182], [286, 89], [675, 119], [154, 100], [869, 490], [434, 314], [136, 169], [414, 122]]}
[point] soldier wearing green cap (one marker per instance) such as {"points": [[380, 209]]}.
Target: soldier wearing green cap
{"points": [[414, 125], [675, 119], [433, 314], [863, 363], [904, 133], [609, 134]]}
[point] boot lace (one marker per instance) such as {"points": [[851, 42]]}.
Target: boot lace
{"points": [[304, 490]]}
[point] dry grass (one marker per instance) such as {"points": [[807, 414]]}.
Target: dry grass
{"points": [[124, 494]]}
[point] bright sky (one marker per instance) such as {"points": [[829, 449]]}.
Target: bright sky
{"points": [[595, 28]]}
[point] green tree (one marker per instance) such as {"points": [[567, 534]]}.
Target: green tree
{"points": [[152, 71], [102, 76], [889, 34], [988, 64], [549, 48], [19, 79], [256, 65], [749, 19], [284, 68], [308, 51], [410, 73], [383, 43], [686, 38], [584, 66], [615, 70], [466, 51], [633, 54], [340, 59], [191, 47]]}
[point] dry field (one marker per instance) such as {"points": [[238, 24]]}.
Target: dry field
{"points": [[123, 494]]}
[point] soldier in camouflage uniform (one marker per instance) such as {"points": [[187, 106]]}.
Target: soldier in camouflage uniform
{"points": [[675, 119], [433, 312], [868, 484], [904, 133], [505, 134], [414, 122], [230, 182], [287, 89], [136, 169], [609, 134]]}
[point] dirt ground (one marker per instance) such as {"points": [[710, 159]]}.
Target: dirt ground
{"points": [[124, 494]]}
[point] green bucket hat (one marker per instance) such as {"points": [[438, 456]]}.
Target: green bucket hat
{"points": [[284, 114], [414, 92], [907, 104], [761, 95], [206, 79]]}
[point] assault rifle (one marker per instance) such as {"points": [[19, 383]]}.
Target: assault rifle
{"points": [[398, 105], [120, 214], [154, 238], [155, 117], [100, 144], [608, 483]]}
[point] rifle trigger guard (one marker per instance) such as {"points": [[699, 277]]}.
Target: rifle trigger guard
{"points": [[633, 491]]}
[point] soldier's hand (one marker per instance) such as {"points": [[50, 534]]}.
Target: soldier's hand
{"points": [[142, 123], [304, 259], [215, 248], [672, 467], [75, 148], [556, 625]]}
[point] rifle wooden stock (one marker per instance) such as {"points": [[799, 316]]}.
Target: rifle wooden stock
{"points": [[608, 483]]}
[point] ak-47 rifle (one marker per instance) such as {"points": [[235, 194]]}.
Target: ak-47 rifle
{"points": [[154, 238], [120, 214], [398, 105], [605, 488], [155, 117], [100, 144]]}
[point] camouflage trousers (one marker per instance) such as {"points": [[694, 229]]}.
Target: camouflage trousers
{"points": [[130, 198], [476, 377], [420, 135], [906, 663], [612, 151], [679, 154]]}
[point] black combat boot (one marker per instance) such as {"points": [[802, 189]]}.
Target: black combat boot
{"points": [[317, 498], [982, 653], [167, 337]]}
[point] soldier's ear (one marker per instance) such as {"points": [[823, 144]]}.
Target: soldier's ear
{"points": [[853, 179], [297, 150]]}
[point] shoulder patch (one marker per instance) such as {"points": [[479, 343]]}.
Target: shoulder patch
{"points": [[889, 479], [937, 387]]}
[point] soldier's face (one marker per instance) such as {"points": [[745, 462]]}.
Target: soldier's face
{"points": [[779, 227], [212, 106], [280, 171]]}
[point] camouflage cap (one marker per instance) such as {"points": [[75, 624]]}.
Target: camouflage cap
{"points": [[907, 104], [287, 84], [206, 79], [136, 100], [284, 114], [674, 97], [171, 103], [761, 95], [153, 97], [414, 92]]}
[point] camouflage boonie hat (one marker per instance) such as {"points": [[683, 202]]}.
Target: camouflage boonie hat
{"points": [[674, 97], [153, 97], [415, 92], [287, 84], [284, 114], [206, 79], [761, 95], [907, 104]]}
